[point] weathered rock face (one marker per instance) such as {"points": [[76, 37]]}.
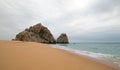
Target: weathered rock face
{"points": [[36, 33], [62, 38]]}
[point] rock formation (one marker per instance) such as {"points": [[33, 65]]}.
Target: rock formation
{"points": [[36, 33], [62, 38]]}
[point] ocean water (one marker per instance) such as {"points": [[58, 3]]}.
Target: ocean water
{"points": [[109, 53]]}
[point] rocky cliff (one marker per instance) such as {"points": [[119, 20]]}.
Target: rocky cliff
{"points": [[62, 38], [36, 33]]}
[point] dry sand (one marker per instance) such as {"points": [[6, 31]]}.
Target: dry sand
{"points": [[15, 55]]}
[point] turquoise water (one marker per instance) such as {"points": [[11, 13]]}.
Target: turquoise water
{"points": [[109, 52], [105, 48]]}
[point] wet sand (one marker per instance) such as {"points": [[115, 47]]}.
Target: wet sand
{"points": [[16, 55]]}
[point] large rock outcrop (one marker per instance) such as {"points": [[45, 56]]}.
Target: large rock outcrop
{"points": [[36, 33], [62, 38]]}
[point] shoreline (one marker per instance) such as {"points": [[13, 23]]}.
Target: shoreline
{"points": [[99, 60], [30, 55]]}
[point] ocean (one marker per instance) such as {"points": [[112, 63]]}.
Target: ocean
{"points": [[107, 53]]}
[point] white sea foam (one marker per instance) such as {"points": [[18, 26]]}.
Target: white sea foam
{"points": [[106, 58]]}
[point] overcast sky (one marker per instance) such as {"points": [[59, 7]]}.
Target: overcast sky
{"points": [[82, 20]]}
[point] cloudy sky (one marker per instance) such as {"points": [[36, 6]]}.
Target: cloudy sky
{"points": [[82, 20]]}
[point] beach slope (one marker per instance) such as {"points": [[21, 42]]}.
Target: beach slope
{"points": [[16, 55]]}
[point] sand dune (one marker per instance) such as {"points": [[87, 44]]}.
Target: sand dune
{"points": [[15, 55]]}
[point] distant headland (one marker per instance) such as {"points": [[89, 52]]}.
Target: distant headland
{"points": [[41, 34]]}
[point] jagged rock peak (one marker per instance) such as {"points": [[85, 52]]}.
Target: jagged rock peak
{"points": [[63, 38], [36, 33]]}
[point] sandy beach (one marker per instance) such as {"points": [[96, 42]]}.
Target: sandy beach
{"points": [[16, 55]]}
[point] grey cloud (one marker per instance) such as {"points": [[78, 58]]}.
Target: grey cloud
{"points": [[16, 16], [105, 6]]}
